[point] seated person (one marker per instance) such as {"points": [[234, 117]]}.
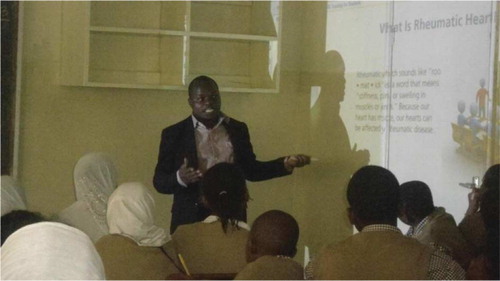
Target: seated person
{"points": [[472, 225], [94, 180], [461, 119], [486, 265], [16, 219], [271, 246], [132, 250], [431, 225], [217, 244], [474, 122], [380, 250], [12, 194], [50, 251]]}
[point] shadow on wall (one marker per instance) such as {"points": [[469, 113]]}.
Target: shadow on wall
{"points": [[326, 202]]}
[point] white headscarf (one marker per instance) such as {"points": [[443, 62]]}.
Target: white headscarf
{"points": [[50, 250], [130, 213], [95, 180], [12, 196]]}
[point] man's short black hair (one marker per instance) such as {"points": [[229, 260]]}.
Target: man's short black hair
{"points": [[224, 188], [416, 197], [492, 177], [489, 200], [16, 219], [276, 233], [489, 209], [201, 81], [373, 194]]}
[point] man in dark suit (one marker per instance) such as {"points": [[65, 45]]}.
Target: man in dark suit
{"points": [[207, 137]]}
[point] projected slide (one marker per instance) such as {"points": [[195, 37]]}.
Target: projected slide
{"points": [[418, 88]]}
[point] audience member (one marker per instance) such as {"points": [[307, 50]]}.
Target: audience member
{"points": [[272, 244], [12, 195], [132, 250], [472, 225], [380, 250], [486, 265], [217, 244], [50, 251], [431, 225], [17, 219], [94, 179]]}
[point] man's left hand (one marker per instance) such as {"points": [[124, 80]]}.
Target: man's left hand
{"points": [[296, 161]]}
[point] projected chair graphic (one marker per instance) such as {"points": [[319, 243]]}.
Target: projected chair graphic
{"points": [[474, 145], [458, 133]]}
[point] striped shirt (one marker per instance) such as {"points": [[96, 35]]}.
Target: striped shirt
{"points": [[415, 231], [441, 266]]}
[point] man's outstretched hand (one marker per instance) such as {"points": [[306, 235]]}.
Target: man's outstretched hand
{"points": [[296, 161]]}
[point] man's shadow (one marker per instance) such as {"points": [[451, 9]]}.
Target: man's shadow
{"points": [[328, 141]]}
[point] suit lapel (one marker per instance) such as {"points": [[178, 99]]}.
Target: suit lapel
{"points": [[189, 143]]}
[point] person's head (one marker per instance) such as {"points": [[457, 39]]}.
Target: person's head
{"points": [[204, 98], [489, 198], [131, 214], [94, 175], [12, 195], [224, 192], [481, 82], [273, 233], [461, 106], [492, 177], [95, 178], [16, 219], [373, 196], [415, 202], [50, 251], [489, 209], [473, 110]]}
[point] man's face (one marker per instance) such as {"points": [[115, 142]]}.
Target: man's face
{"points": [[402, 215], [205, 102], [352, 219]]}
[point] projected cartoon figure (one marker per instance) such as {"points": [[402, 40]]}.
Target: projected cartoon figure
{"points": [[461, 119], [474, 122], [481, 99]]}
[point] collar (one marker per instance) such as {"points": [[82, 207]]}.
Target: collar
{"points": [[420, 225], [380, 227], [212, 218], [222, 118], [416, 230]]}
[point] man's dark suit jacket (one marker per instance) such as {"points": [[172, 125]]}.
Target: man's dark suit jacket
{"points": [[178, 142]]}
